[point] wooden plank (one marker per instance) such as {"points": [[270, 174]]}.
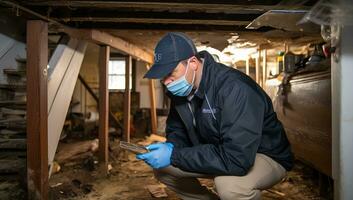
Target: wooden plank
{"points": [[58, 65], [122, 45], [224, 22], [13, 144], [37, 109], [257, 67], [127, 99], [247, 66], [13, 87], [7, 111], [104, 38], [12, 102], [153, 105], [14, 165], [60, 102], [236, 7], [95, 97], [103, 106], [14, 72], [264, 67]]}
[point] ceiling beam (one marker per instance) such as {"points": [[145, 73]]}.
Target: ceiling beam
{"points": [[168, 27], [95, 36], [103, 38], [221, 6], [119, 16], [158, 21]]}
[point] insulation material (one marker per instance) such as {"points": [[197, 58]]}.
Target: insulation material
{"points": [[285, 20], [327, 12]]}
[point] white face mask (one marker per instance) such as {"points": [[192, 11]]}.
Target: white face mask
{"points": [[181, 87]]}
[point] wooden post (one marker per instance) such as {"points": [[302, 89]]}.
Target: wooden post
{"points": [[153, 104], [264, 67], [248, 66], [127, 99], [257, 67], [37, 109], [103, 107]]}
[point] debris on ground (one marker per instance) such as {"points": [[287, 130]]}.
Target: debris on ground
{"points": [[132, 179], [157, 191]]}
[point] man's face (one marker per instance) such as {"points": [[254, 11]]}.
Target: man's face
{"points": [[180, 70]]}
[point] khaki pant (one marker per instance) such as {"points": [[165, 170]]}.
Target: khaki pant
{"points": [[263, 175]]}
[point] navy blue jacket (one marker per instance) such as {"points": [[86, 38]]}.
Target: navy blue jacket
{"points": [[238, 122]]}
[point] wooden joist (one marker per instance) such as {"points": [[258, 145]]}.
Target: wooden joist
{"points": [[160, 21], [103, 38], [236, 7]]}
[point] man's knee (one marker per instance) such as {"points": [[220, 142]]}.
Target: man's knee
{"points": [[230, 191], [252, 194]]}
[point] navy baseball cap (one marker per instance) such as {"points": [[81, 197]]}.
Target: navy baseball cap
{"points": [[170, 50]]}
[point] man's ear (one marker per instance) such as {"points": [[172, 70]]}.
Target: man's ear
{"points": [[194, 63]]}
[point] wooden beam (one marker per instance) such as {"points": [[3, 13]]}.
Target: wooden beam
{"points": [[122, 45], [257, 67], [103, 38], [247, 66], [59, 103], [166, 27], [224, 22], [37, 109], [234, 7], [185, 17], [103, 107], [127, 99], [19, 143], [153, 104], [95, 97], [264, 67]]}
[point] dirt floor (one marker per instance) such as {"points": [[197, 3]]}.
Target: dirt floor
{"points": [[130, 178]]}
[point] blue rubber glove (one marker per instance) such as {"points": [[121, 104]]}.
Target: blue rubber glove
{"points": [[159, 155]]}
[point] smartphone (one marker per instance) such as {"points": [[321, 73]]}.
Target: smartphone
{"points": [[134, 148]]}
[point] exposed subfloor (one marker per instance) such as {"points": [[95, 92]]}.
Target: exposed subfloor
{"points": [[129, 178]]}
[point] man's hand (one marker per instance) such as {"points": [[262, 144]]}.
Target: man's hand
{"points": [[159, 157]]}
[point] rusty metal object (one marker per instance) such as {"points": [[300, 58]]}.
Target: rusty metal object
{"points": [[306, 117]]}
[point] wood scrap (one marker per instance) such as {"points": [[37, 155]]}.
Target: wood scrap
{"points": [[77, 150], [276, 192], [157, 191]]}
